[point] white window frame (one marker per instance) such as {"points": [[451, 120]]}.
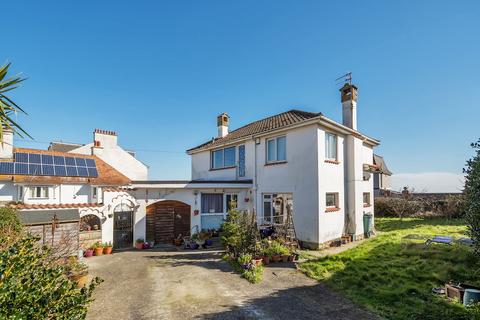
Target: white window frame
{"points": [[267, 197], [225, 200], [336, 200], [44, 192], [368, 198], [275, 139], [327, 145], [223, 166]]}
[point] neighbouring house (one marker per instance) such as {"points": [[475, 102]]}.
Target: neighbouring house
{"points": [[70, 192], [381, 177], [295, 162]]}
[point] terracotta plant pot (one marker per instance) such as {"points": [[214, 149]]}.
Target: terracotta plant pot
{"points": [[178, 242], [98, 251], [107, 250], [139, 245], [257, 262], [265, 260], [80, 279], [277, 258], [285, 258], [88, 253]]}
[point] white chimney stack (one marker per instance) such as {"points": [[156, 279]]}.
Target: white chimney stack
{"points": [[222, 124], [6, 145], [349, 93]]}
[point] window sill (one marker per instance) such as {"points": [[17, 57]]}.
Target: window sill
{"points": [[224, 168], [212, 214], [332, 209], [275, 163], [332, 161]]}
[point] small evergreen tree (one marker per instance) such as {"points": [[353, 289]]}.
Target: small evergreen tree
{"points": [[472, 194]]}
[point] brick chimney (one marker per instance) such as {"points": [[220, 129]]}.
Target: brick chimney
{"points": [[222, 124], [104, 139], [349, 94]]}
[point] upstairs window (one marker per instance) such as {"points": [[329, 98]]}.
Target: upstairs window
{"points": [[330, 146], [277, 149], [223, 158], [39, 192]]}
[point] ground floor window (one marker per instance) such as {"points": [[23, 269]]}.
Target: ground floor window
{"points": [[231, 202], [331, 200], [212, 203], [366, 198], [276, 207]]}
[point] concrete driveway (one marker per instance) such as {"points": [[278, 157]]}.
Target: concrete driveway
{"points": [[172, 284]]}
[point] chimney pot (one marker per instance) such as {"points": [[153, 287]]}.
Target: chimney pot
{"points": [[349, 96], [222, 124]]}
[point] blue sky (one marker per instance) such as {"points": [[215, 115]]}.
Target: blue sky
{"points": [[159, 72]]}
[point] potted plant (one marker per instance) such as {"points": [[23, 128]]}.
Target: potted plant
{"points": [[98, 248], [77, 272], [257, 261], [107, 248], [139, 243], [276, 251], [245, 261], [88, 253], [178, 240]]}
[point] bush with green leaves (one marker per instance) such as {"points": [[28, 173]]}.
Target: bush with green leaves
{"points": [[33, 283], [275, 248], [472, 196]]}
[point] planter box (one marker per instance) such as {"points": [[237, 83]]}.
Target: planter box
{"points": [[456, 292]]}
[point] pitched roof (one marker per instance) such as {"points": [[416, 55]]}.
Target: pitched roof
{"points": [[107, 175], [275, 122], [382, 166], [60, 146], [22, 206]]}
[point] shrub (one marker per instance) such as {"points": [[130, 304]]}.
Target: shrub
{"points": [[34, 286], [453, 206], [239, 233], [472, 195], [397, 207], [9, 220]]}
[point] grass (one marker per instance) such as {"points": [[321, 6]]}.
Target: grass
{"points": [[393, 275]]}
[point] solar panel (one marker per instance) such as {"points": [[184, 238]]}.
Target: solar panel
{"points": [[6, 168], [47, 159], [92, 172], [80, 162], [82, 171], [90, 163], [69, 161], [72, 171], [60, 171], [21, 168], [21, 157], [59, 160], [50, 165], [47, 170], [34, 169], [34, 158]]}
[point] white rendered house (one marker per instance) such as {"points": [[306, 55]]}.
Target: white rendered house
{"points": [[73, 190], [298, 161]]}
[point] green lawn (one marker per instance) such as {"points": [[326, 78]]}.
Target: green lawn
{"points": [[393, 275]]}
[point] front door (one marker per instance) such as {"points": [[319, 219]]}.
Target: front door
{"points": [[123, 229]]}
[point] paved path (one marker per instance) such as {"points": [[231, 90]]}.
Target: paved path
{"points": [[163, 284]]}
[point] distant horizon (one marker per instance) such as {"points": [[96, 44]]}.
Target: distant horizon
{"points": [[161, 79]]}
